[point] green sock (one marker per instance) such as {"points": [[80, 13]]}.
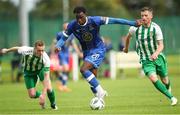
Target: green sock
{"points": [[51, 96], [37, 94], [160, 86], [168, 85]]}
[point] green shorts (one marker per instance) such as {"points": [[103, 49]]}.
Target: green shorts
{"points": [[159, 66], [31, 78]]}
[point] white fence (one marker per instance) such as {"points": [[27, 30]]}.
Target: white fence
{"points": [[120, 60]]}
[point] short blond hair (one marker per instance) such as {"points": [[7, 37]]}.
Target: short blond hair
{"points": [[147, 9], [39, 43]]}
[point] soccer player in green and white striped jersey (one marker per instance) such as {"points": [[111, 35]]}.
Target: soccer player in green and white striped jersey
{"points": [[149, 42], [36, 64]]}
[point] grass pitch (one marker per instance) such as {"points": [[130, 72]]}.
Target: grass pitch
{"points": [[126, 96], [130, 95]]}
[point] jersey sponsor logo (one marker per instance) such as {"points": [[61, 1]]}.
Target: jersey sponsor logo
{"points": [[95, 56], [87, 36]]}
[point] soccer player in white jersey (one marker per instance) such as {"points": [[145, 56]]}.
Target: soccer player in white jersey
{"points": [[36, 65], [149, 40]]}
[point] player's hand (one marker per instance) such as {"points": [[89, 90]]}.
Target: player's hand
{"points": [[125, 50], [4, 50], [57, 49], [42, 98], [80, 55], [154, 56], [139, 22]]}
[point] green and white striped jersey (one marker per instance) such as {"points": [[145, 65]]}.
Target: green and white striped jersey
{"points": [[31, 62], [146, 39]]}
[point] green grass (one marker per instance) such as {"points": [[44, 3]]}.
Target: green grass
{"points": [[126, 96], [130, 95]]}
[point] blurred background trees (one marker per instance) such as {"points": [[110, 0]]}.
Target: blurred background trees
{"points": [[118, 8], [46, 18], [8, 9]]}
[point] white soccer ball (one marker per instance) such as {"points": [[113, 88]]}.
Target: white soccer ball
{"points": [[97, 103]]}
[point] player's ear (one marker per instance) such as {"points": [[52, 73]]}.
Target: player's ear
{"points": [[151, 14]]}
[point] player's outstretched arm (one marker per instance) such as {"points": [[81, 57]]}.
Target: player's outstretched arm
{"points": [[122, 21], [6, 50]]}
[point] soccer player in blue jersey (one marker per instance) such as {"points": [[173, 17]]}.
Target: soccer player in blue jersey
{"points": [[86, 30]]}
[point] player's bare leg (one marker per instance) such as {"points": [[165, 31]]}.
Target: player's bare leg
{"points": [[35, 94]]}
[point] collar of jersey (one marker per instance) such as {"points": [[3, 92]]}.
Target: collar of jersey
{"points": [[36, 56], [85, 22], [147, 27]]}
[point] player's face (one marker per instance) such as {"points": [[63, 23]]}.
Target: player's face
{"points": [[39, 50], [81, 18], [146, 17]]}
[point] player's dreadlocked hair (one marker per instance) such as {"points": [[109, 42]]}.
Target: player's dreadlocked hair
{"points": [[79, 9]]}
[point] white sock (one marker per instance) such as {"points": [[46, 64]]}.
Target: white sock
{"points": [[99, 90]]}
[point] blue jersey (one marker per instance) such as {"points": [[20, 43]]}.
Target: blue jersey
{"points": [[89, 37], [87, 34]]}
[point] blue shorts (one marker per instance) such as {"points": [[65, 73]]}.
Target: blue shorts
{"points": [[95, 56], [64, 58]]}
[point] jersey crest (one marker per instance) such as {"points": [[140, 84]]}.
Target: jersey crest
{"points": [[87, 36]]}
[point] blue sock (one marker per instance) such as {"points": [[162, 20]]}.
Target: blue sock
{"points": [[93, 90], [62, 79], [90, 77]]}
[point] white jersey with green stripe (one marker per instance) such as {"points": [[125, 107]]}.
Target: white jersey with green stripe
{"points": [[31, 62], [146, 39]]}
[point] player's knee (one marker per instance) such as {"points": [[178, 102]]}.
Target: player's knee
{"points": [[153, 78], [165, 80], [32, 95], [49, 90], [82, 70]]}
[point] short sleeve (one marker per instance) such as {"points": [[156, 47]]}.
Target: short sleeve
{"points": [[159, 35], [46, 60], [25, 50], [132, 30]]}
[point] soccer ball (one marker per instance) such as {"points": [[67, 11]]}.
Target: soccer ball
{"points": [[97, 103]]}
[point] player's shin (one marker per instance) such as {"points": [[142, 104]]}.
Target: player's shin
{"points": [[90, 77], [160, 86], [51, 96], [168, 86]]}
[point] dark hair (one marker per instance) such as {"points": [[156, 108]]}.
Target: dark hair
{"points": [[147, 9], [39, 43], [79, 9]]}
